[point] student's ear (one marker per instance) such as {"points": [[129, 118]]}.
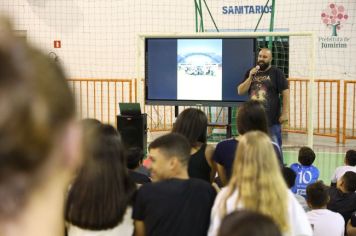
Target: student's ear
{"points": [[173, 163], [72, 146]]}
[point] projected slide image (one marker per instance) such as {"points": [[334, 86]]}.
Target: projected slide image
{"points": [[199, 69]]}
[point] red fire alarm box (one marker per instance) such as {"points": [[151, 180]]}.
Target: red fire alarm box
{"points": [[57, 43]]}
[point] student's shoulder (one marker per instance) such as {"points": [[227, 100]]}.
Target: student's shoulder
{"points": [[345, 168], [295, 166], [314, 168], [200, 185], [227, 142], [199, 182], [276, 70], [336, 215]]}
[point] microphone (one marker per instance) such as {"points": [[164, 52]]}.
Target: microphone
{"points": [[257, 69]]}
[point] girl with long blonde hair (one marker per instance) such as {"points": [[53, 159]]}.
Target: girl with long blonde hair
{"points": [[257, 184]]}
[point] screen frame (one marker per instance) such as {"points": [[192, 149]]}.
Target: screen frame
{"points": [[179, 102]]}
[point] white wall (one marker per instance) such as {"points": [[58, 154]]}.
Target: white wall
{"points": [[99, 37]]}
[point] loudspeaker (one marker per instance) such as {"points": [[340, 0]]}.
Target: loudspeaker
{"points": [[133, 130]]}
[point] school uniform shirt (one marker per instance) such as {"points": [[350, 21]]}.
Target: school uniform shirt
{"points": [[125, 227], [340, 171], [305, 175], [325, 222]]}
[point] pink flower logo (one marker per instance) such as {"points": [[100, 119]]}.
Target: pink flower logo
{"points": [[334, 16]]}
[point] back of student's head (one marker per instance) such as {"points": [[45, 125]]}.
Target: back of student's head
{"points": [[173, 145], [192, 123], [350, 158], [101, 192], [349, 179], [36, 105], [134, 157], [248, 223], [317, 194], [306, 156], [289, 176], [251, 116]]}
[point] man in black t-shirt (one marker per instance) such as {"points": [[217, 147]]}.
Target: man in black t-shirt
{"points": [[173, 204], [267, 83]]}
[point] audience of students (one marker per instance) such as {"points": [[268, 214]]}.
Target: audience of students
{"points": [[350, 165], [257, 184], [290, 176], [343, 196], [248, 223], [174, 204], [323, 221], [193, 123], [306, 172], [251, 116], [40, 141], [134, 158], [100, 198]]}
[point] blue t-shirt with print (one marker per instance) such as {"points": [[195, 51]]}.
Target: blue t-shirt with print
{"points": [[305, 175]]}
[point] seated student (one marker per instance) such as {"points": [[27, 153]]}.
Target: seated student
{"points": [[323, 221], [248, 223], [257, 184], [251, 116], [134, 157], [306, 172], [99, 199], [40, 139], [351, 225], [173, 204], [290, 176], [343, 196], [350, 165], [192, 123]]}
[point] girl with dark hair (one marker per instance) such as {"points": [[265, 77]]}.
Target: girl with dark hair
{"points": [[100, 197], [193, 123], [251, 116]]}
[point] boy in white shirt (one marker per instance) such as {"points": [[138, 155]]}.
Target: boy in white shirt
{"points": [[350, 165], [323, 221]]}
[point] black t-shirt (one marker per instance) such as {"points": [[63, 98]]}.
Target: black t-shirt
{"points": [[175, 207], [266, 86], [198, 166], [343, 203]]}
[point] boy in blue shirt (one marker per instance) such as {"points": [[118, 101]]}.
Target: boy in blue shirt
{"points": [[305, 171]]}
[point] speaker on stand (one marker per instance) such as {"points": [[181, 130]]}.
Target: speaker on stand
{"points": [[133, 130]]}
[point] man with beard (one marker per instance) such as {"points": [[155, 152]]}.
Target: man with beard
{"points": [[267, 83]]}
